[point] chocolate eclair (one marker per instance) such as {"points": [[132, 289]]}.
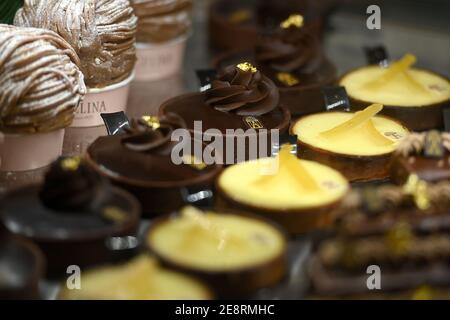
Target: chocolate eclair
{"points": [[146, 161], [72, 216], [291, 56], [242, 105], [425, 154]]}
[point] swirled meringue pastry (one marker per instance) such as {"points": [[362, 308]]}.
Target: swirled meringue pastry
{"points": [[162, 20], [40, 82], [102, 32]]}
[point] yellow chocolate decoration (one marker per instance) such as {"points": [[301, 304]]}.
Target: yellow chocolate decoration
{"points": [[294, 183], [140, 279], [288, 79], [152, 121], [361, 133], [294, 20], [418, 189], [71, 164], [397, 85], [194, 162], [187, 240], [247, 67]]}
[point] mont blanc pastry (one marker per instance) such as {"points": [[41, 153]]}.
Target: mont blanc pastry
{"points": [[102, 32], [357, 144], [414, 96]]}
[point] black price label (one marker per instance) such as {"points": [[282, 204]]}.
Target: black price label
{"points": [[377, 55], [115, 122], [336, 98], [206, 77]]}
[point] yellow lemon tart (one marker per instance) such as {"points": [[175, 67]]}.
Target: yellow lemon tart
{"points": [[297, 194], [413, 96], [140, 279], [235, 254], [359, 144]]}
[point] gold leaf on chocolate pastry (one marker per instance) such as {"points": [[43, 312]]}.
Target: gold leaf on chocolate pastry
{"points": [[102, 32], [40, 82]]}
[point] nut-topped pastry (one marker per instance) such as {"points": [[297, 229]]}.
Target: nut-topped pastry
{"points": [[357, 144], [140, 160], [40, 88], [235, 254], [74, 211], [292, 58], [425, 154], [241, 103], [139, 279], [298, 194], [414, 96]]}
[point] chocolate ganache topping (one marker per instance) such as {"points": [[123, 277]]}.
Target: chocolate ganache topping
{"points": [[152, 133], [40, 82], [72, 185], [290, 48], [244, 90], [102, 32]]}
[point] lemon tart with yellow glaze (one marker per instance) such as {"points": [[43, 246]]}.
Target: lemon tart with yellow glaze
{"points": [[414, 96], [298, 194], [359, 145], [235, 254], [140, 279]]}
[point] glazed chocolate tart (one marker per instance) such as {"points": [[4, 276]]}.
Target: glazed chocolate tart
{"points": [[297, 194], [235, 254], [139, 279], [21, 267], [140, 161], [359, 145], [242, 105], [416, 97], [236, 24], [72, 217], [293, 59], [426, 155]]}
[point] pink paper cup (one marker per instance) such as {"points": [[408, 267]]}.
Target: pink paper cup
{"points": [[109, 99], [22, 152], [157, 61]]}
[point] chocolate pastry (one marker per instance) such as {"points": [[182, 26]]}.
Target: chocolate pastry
{"points": [[425, 154], [140, 160], [293, 59], [102, 32], [416, 97], [161, 21], [73, 216], [40, 83], [240, 98]]}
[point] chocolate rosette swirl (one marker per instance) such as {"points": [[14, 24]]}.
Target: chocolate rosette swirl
{"points": [[243, 90], [152, 133], [289, 50], [71, 185]]}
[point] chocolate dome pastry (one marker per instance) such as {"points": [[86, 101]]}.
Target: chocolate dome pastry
{"points": [[102, 32], [292, 58], [359, 145], [21, 267], [40, 88], [74, 217], [426, 155], [235, 24], [139, 279], [298, 194], [240, 112], [235, 254], [414, 96], [145, 161]]}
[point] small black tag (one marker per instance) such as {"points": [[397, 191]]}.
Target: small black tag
{"points": [[115, 122], [206, 77], [446, 112], [285, 138], [198, 196], [336, 98], [433, 147], [377, 55]]}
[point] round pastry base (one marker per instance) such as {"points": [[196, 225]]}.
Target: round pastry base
{"points": [[158, 61], [109, 99], [23, 152], [229, 284]]}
